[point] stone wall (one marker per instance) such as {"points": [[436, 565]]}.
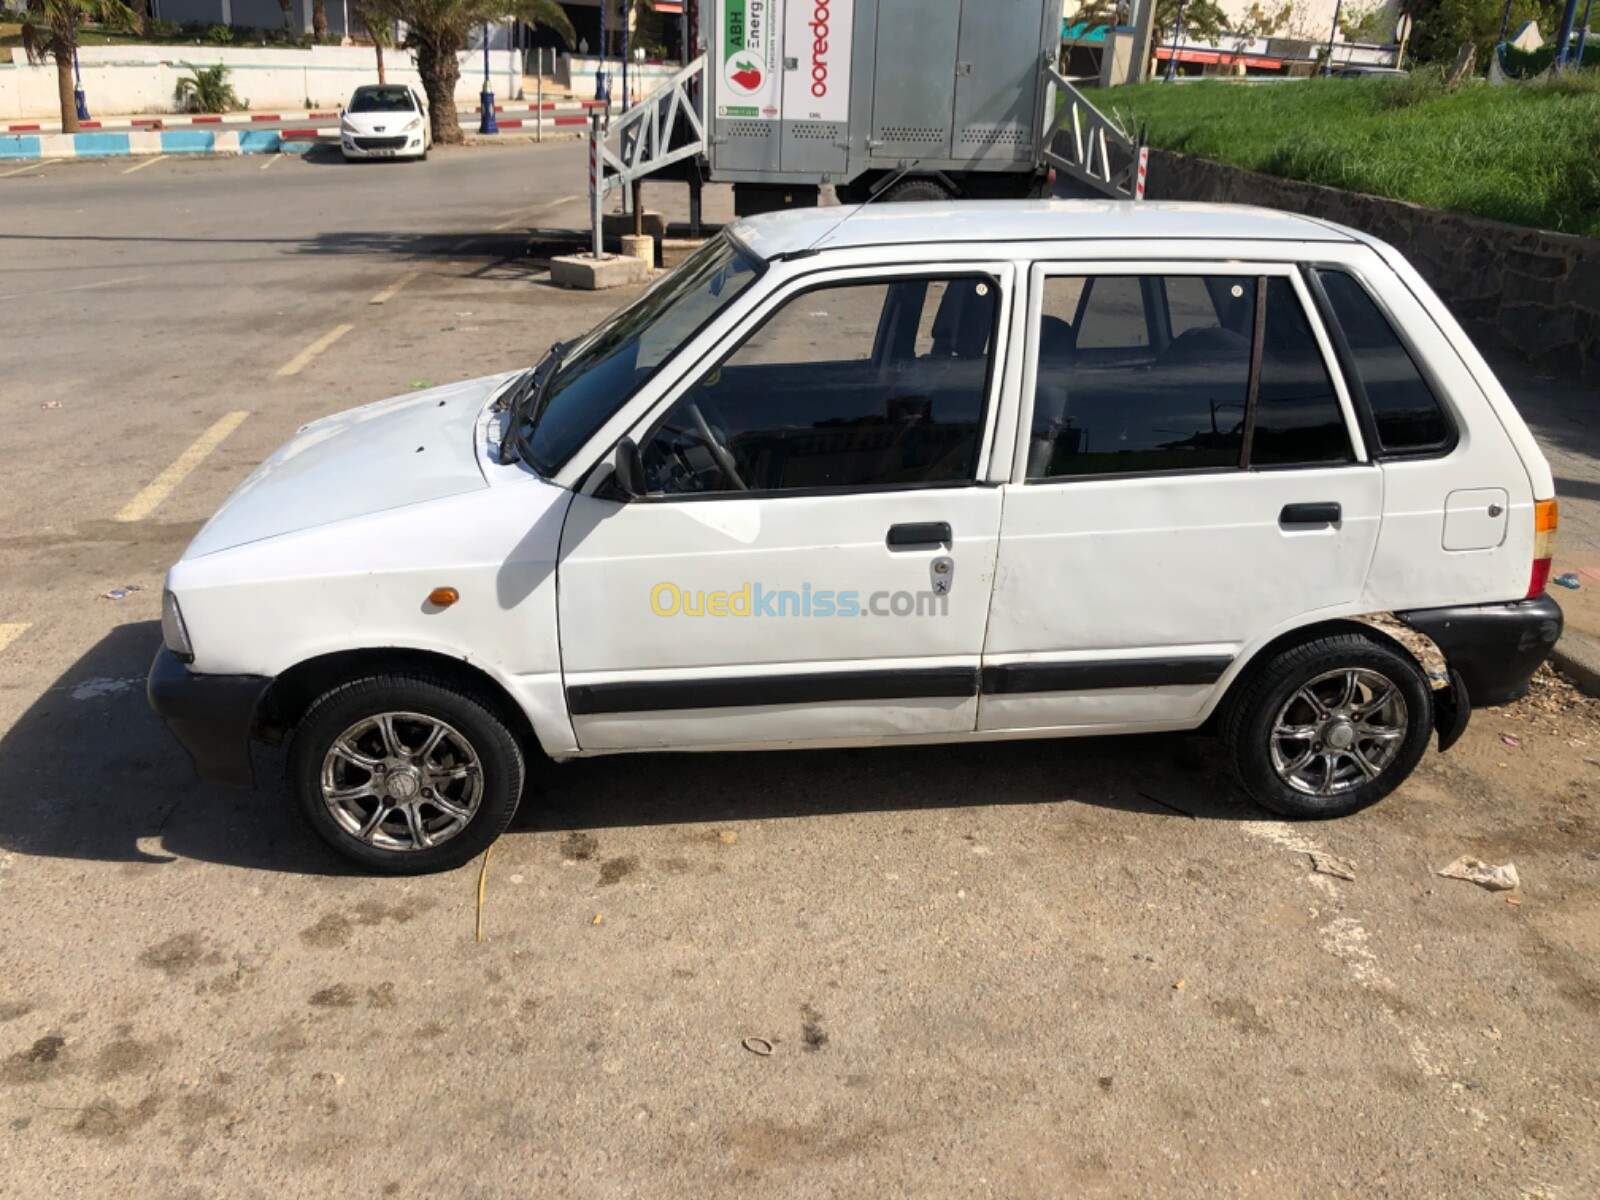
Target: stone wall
{"points": [[1526, 291]]}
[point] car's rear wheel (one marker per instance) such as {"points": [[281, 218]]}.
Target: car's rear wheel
{"points": [[406, 774], [1328, 727]]}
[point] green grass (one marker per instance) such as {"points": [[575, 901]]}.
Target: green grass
{"points": [[1529, 154]]}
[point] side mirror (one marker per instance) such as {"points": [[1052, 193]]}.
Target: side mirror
{"points": [[628, 470]]}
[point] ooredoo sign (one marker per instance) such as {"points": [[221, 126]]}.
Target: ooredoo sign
{"points": [[788, 58], [816, 34]]}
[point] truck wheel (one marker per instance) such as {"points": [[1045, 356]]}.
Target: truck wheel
{"points": [[406, 774], [1326, 728], [918, 189]]}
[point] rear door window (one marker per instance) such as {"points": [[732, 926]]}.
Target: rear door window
{"points": [[1158, 373], [1406, 414]]}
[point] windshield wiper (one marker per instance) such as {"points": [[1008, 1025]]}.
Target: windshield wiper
{"points": [[523, 395]]}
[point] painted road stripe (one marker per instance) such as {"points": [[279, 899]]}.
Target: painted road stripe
{"points": [[529, 212], [10, 633], [77, 287], [300, 361], [390, 292], [164, 484], [270, 160], [34, 165], [149, 162]]}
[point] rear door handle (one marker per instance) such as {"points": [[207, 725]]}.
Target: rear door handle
{"points": [[921, 536], [1322, 512]]}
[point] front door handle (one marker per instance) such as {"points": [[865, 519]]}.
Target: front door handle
{"points": [[925, 535], [1322, 512]]}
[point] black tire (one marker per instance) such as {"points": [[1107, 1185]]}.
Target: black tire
{"points": [[474, 718], [917, 189], [1252, 715]]}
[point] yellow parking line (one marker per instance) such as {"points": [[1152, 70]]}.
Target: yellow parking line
{"points": [[393, 289], [41, 162], [300, 361], [149, 162], [10, 633], [164, 484]]}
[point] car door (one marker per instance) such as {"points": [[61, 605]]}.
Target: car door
{"points": [[812, 555], [1191, 480]]}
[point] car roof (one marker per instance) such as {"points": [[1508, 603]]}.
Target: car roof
{"points": [[776, 235]]}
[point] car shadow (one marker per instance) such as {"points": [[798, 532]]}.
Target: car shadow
{"points": [[89, 772]]}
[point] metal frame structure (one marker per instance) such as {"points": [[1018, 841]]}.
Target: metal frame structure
{"points": [[1086, 139]]}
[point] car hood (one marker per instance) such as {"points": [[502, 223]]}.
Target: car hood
{"points": [[407, 450], [379, 122]]}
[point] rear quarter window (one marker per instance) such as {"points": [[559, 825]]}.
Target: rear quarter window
{"points": [[1406, 414]]}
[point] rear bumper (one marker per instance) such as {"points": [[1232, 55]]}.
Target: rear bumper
{"points": [[210, 715], [1495, 648]]}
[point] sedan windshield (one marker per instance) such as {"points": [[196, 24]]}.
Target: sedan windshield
{"points": [[382, 100], [598, 373]]}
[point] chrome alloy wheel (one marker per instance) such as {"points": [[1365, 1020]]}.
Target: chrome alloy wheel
{"points": [[402, 781], [1338, 731]]}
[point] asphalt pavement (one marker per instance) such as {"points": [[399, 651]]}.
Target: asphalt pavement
{"points": [[1083, 968]]}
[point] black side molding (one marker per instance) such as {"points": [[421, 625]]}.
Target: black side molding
{"points": [[1013, 678], [747, 692]]}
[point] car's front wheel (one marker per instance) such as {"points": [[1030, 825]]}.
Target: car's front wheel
{"points": [[1326, 728], [405, 773]]}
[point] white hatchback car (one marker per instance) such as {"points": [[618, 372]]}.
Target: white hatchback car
{"points": [[934, 473], [384, 120]]}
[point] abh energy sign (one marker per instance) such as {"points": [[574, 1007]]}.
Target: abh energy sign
{"points": [[784, 58]]}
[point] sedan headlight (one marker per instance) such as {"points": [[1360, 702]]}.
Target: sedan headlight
{"points": [[173, 631], [414, 123]]}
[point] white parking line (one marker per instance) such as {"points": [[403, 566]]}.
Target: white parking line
{"points": [[537, 208], [77, 287], [271, 158], [149, 162], [393, 289], [300, 361], [164, 484], [33, 166], [10, 633]]}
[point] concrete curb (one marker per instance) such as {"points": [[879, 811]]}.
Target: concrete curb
{"points": [[569, 112], [24, 147], [1576, 657]]}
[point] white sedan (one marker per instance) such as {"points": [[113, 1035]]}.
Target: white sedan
{"points": [[384, 120]]}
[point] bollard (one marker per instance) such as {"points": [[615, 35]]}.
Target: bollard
{"points": [[594, 178]]}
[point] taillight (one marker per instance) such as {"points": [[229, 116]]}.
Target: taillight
{"points": [[1544, 545]]}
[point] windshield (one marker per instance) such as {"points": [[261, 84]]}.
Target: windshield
{"points": [[382, 99], [598, 373]]}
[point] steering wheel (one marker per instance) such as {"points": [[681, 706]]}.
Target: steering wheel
{"points": [[715, 446]]}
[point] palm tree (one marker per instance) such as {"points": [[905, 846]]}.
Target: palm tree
{"points": [[437, 30], [379, 31], [319, 21], [50, 27]]}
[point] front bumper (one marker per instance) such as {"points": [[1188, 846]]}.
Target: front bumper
{"points": [[210, 715], [1495, 648], [410, 145]]}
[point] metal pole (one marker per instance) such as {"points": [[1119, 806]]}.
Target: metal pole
{"points": [[538, 111], [486, 122], [600, 92], [1177, 33], [694, 199], [1583, 34], [625, 23], [79, 103], [1144, 25], [1569, 17], [1327, 62], [594, 178], [1505, 23]]}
